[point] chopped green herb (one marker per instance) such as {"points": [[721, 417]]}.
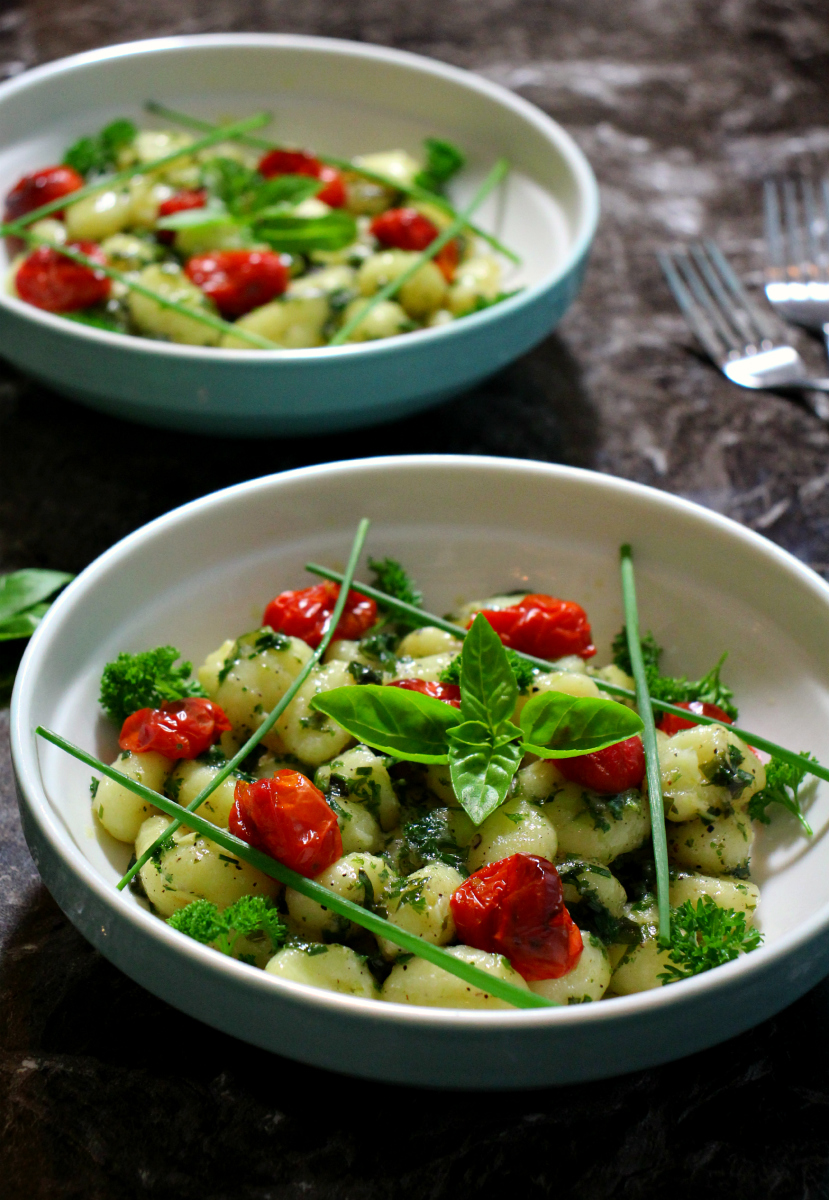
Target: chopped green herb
{"points": [[93, 155], [704, 936], [443, 160], [266, 639], [392, 578], [94, 784], [145, 680], [783, 782], [202, 921], [708, 690], [725, 772], [429, 838], [381, 646], [361, 673]]}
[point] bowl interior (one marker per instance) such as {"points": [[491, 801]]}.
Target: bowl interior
{"points": [[204, 573], [336, 97]]}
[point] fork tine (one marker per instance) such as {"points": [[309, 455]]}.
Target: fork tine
{"points": [[796, 254], [774, 233], [763, 323], [690, 310], [715, 315], [812, 226], [739, 320]]}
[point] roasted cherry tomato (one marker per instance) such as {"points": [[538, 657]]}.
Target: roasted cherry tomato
{"points": [[51, 281], [239, 280], [544, 627], [447, 260], [515, 907], [449, 692], [41, 187], [180, 202], [403, 229], [296, 162], [610, 771], [670, 723], [287, 817], [179, 729], [305, 613]]}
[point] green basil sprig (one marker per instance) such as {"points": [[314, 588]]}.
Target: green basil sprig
{"points": [[285, 231], [481, 743], [23, 596]]}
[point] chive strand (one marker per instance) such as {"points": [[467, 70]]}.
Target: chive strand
{"points": [[344, 164], [275, 713], [653, 770], [204, 318], [377, 925], [419, 617], [219, 134], [391, 289]]}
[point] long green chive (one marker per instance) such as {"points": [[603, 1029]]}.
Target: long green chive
{"points": [[219, 134], [492, 180], [654, 773], [275, 713], [419, 617], [379, 926], [344, 164], [204, 318]]}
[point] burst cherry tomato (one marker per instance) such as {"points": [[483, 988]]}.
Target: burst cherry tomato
{"points": [[515, 907], [403, 229], [180, 202], [287, 817], [296, 162], [610, 771], [41, 187], [670, 723], [447, 260], [179, 729], [448, 692], [544, 627], [239, 280], [51, 281], [305, 613]]}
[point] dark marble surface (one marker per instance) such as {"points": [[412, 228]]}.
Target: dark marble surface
{"points": [[106, 1093]]}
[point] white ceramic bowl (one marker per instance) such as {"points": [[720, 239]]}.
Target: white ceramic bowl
{"points": [[465, 527], [338, 97]]}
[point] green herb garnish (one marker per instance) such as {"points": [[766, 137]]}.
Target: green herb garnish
{"points": [[708, 690], [443, 160], [96, 154], [704, 936], [428, 838], [23, 600], [524, 672], [391, 578], [783, 783], [145, 680], [204, 922]]}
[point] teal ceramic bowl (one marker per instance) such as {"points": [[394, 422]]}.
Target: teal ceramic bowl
{"points": [[345, 98], [465, 527]]}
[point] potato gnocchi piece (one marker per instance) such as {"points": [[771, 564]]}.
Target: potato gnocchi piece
{"points": [[420, 904], [638, 967], [420, 296], [588, 980], [429, 668], [427, 641], [707, 771], [359, 830], [539, 782], [463, 615], [515, 828], [343, 650], [347, 878], [190, 777], [365, 776], [420, 982], [324, 282], [334, 968], [310, 735], [194, 868], [590, 882], [477, 279], [396, 165], [119, 810], [294, 323], [252, 677], [386, 319], [599, 827], [98, 216], [740, 895], [153, 319], [721, 846]]}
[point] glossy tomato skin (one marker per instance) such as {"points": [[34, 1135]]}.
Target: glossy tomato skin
{"points": [[179, 729], [288, 818], [670, 723], [53, 282], [609, 771], [515, 907], [403, 229], [305, 613], [296, 162], [239, 280], [450, 693], [41, 187], [544, 627], [182, 201]]}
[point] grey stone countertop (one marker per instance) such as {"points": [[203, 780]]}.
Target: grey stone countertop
{"points": [[106, 1092]]}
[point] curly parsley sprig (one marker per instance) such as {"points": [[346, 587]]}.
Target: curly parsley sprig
{"points": [[704, 936]]}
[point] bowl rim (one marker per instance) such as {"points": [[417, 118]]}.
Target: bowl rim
{"points": [[740, 972], [575, 159]]}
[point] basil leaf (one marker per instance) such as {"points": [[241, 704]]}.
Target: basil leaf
{"points": [[397, 721], [488, 688], [481, 772], [443, 160], [285, 231], [555, 725], [282, 189], [23, 589], [195, 218], [98, 153]]}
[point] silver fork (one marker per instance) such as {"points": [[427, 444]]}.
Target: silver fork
{"points": [[796, 212], [739, 337]]}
